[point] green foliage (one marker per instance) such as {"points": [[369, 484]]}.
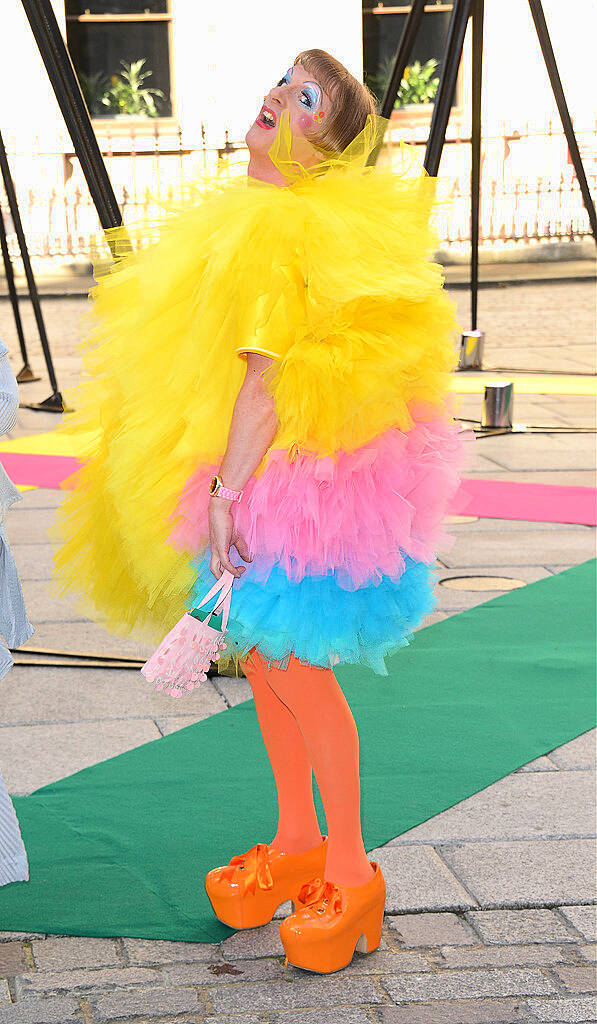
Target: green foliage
{"points": [[417, 86], [93, 88], [126, 94]]}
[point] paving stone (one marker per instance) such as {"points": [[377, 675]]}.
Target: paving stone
{"points": [[307, 991], [254, 942], [583, 918], [485, 525], [30, 526], [542, 954], [532, 547], [502, 874], [236, 1019], [10, 936], [537, 458], [578, 753], [66, 748], [144, 1004], [581, 1008], [387, 961], [41, 1011], [508, 926], [539, 764], [519, 806], [588, 951], [12, 959], [347, 1015], [263, 969], [456, 1011], [169, 725], [431, 930], [157, 952], [83, 980], [83, 635], [245, 1018], [235, 690], [72, 952], [460, 984], [72, 694], [417, 879], [578, 979]]}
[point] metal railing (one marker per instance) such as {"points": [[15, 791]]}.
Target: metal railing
{"points": [[517, 206]]}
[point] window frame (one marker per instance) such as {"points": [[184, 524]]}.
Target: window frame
{"points": [[168, 122], [438, 6]]}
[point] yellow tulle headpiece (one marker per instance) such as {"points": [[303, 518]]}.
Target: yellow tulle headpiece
{"points": [[354, 157]]}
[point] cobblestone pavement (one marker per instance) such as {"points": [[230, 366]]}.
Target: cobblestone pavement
{"points": [[490, 912]]}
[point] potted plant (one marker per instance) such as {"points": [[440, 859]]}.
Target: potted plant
{"points": [[417, 88], [127, 96]]}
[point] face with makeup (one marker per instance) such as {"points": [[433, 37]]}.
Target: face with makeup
{"points": [[307, 105]]}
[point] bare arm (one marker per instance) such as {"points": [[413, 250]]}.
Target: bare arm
{"points": [[252, 429]]}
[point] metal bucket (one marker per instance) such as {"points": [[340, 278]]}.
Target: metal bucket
{"points": [[471, 350], [498, 401]]}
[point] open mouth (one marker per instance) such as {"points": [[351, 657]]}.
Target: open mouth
{"points": [[266, 118]]}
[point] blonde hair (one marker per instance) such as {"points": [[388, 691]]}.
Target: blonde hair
{"points": [[351, 100]]}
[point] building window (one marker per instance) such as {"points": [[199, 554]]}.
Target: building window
{"points": [[113, 44], [382, 30]]}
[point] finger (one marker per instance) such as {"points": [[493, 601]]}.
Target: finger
{"points": [[235, 570], [216, 568], [243, 548]]}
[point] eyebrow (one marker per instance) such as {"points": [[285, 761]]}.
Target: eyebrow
{"points": [[309, 81]]}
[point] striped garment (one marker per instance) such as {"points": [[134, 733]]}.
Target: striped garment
{"points": [[14, 626]]}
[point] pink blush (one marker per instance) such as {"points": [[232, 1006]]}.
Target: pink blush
{"points": [[305, 121]]}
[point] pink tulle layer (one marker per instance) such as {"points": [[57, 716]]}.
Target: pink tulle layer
{"points": [[355, 512]]}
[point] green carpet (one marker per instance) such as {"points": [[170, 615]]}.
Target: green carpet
{"points": [[122, 848]]}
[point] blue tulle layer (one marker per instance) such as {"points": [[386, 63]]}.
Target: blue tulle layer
{"points": [[320, 621]]}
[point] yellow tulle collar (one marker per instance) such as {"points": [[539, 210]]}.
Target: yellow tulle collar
{"points": [[352, 159]]}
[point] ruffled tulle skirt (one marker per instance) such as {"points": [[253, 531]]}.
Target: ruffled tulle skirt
{"points": [[343, 548]]}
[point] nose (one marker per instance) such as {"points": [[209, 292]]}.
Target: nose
{"points": [[275, 94]]}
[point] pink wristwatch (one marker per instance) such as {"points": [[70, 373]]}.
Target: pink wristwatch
{"points": [[217, 489]]}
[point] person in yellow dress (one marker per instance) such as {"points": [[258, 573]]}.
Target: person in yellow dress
{"points": [[268, 370]]}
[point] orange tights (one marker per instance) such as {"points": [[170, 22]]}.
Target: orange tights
{"points": [[307, 726]]}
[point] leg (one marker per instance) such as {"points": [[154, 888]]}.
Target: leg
{"points": [[326, 722], [298, 828]]}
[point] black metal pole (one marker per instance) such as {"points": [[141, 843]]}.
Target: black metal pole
{"points": [[55, 400], [558, 92], [74, 111], [477, 78], [405, 47], [12, 291], [447, 85]]}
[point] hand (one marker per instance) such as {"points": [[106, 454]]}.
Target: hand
{"points": [[222, 534]]}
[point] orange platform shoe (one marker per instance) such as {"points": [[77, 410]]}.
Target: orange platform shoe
{"points": [[249, 889], [332, 921]]}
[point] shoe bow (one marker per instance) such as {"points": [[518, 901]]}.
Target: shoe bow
{"points": [[255, 863], [318, 891]]}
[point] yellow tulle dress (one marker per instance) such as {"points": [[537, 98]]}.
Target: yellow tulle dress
{"points": [[333, 277]]}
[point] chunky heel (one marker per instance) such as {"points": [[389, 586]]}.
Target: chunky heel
{"points": [[370, 927], [333, 921]]}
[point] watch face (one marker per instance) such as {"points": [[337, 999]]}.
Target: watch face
{"points": [[212, 485]]}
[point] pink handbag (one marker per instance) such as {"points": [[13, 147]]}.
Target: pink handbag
{"points": [[181, 661]]}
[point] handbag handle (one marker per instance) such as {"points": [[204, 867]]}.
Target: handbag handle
{"points": [[224, 583]]}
